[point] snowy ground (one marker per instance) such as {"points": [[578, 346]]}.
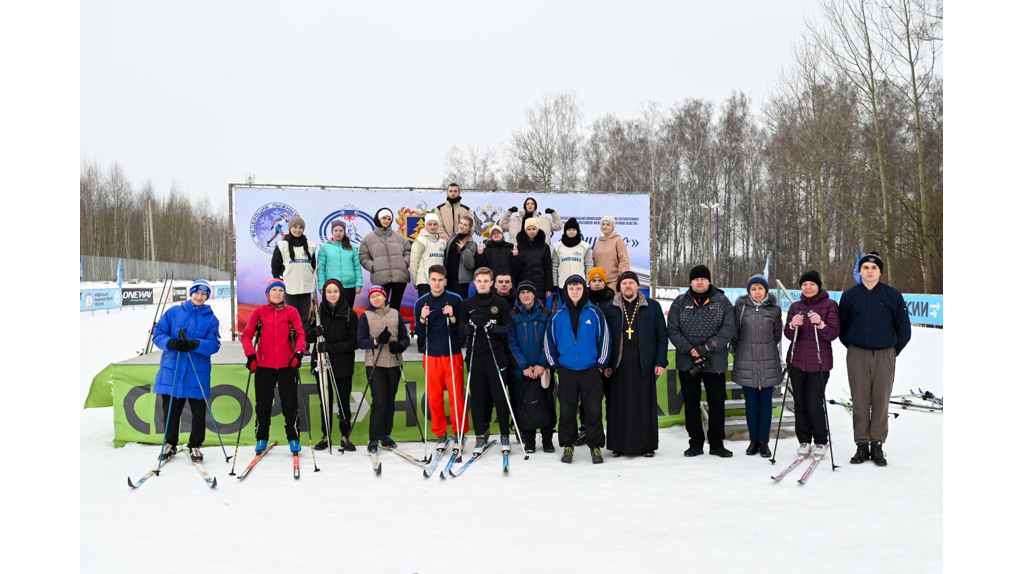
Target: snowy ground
{"points": [[668, 513]]}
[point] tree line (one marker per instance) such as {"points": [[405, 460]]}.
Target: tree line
{"points": [[115, 221], [845, 155]]}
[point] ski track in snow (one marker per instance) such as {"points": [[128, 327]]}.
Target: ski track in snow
{"points": [[668, 513]]}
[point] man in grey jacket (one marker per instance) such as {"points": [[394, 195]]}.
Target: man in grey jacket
{"points": [[700, 325]]}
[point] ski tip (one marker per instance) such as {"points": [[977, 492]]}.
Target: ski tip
{"points": [[214, 485], [130, 482], [228, 459], [527, 457]]}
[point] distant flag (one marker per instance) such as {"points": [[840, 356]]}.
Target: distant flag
{"points": [[856, 268], [766, 261], [119, 273]]}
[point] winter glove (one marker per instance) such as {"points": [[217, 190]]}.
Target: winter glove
{"points": [[490, 325], [395, 347], [384, 336], [549, 211], [315, 332], [174, 344], [513, 209], [477, 321], [250, 363], [296, 360], [192, 345]]}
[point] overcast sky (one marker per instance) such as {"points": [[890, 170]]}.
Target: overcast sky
{"points": [[375, 94]]}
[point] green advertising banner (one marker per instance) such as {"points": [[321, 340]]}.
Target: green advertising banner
{"points": [[138, 416]]}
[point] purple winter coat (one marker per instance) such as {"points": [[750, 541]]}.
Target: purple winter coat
{"points": [[804, 351]]}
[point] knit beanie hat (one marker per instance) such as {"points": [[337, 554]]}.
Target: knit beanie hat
{"points": [[431, 217], [628, 275], [575, 278], [337, 223], [296, 220], [872, 257], [493, 228], [571, 224], [813, 276], [376, 289], [531, 221], [334, 282], [526, 285], [199, 285], [596, 272], [275, 282], [381, 213], [609, 219], [700, 272], [758, 278]]}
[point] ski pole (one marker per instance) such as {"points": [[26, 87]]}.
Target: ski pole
{"points": [[821, 375], [167, 423], [245, 403], [369, 377], [505, 392], [451, 366], [426, 378], [209, 407], [398, 356], [322, 385], [465, 398], [782, 413], [305, 407]]}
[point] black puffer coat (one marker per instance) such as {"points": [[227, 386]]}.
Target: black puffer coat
{"points": [[340, 325], [496, 256], [756, 361], [533, 262]]}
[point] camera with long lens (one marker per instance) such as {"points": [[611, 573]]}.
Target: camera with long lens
{"points": [[697, 367]]}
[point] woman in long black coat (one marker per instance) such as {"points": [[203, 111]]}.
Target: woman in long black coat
{"points": [[338, 325]]}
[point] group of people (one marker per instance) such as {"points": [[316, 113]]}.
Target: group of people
{"points": [[600, 344]]}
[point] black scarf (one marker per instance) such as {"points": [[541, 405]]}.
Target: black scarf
{"points": [[293, 241], [575, 309], [702, 299], [571, 241]]}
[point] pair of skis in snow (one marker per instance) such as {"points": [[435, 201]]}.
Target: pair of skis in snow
{"points": [[815, 460], [158, 467], [456, 457]]}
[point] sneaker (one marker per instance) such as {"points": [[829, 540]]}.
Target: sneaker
{"points": [[762, 447], [505, 446], [442, 443], [819, 450], [877, 455], [294, 445], [804, 450], [372, 447], [169, 451], [388, 442], [548, 444], [595, 455], [530, 446], [261, 445], [720, 451], [481, 442], [195, 454], [324, 443], [862, 453], [649, 454], [567, 453], [752, 448], [348, 445], [694, 451]]}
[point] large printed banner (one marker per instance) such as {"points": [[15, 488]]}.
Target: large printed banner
{"points": [[138, 416], [261, 220]]}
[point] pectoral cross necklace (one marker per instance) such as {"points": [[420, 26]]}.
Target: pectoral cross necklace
{"points": [[629, 320]]}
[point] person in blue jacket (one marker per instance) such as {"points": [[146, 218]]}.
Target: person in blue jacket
{"points": [[529, 323], [577, 345], [874, 325], [186, 331]]}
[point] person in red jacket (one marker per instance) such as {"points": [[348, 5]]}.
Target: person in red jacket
{"points": [[275, 363]]}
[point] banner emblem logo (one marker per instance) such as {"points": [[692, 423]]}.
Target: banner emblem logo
{"points": [[269, 225]]}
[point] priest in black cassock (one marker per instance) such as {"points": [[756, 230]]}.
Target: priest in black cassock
{"points": [[639, 356]]}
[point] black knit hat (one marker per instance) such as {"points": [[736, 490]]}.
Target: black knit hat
{"points": [[700, 272], [526, 285], [813, 276], [872, 257], [628, 275], [571, 224]]}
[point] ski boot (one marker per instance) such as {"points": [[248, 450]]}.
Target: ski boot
{"points": [[481, 442], [261, 445], [169, 451], [804, 450], [294, 445], [372, 447], [441, 444], [195, 454], [388, 442], [505, 445]]}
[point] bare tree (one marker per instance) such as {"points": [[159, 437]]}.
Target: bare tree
{"points": [[548, 153], [474, 169]]}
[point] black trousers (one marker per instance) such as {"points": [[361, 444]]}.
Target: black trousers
{"points": [[301, 302], [530, 435], [422, 289], [714, 384], [394, 292], [198, 406], [345, 413], [349, 293], [461, 289], [383, 387], [809, 402], [577, 388], [286, 382], [606, 389], [487, 395]]}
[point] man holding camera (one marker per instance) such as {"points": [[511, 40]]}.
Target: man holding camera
{"points": [[700, 326]]}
